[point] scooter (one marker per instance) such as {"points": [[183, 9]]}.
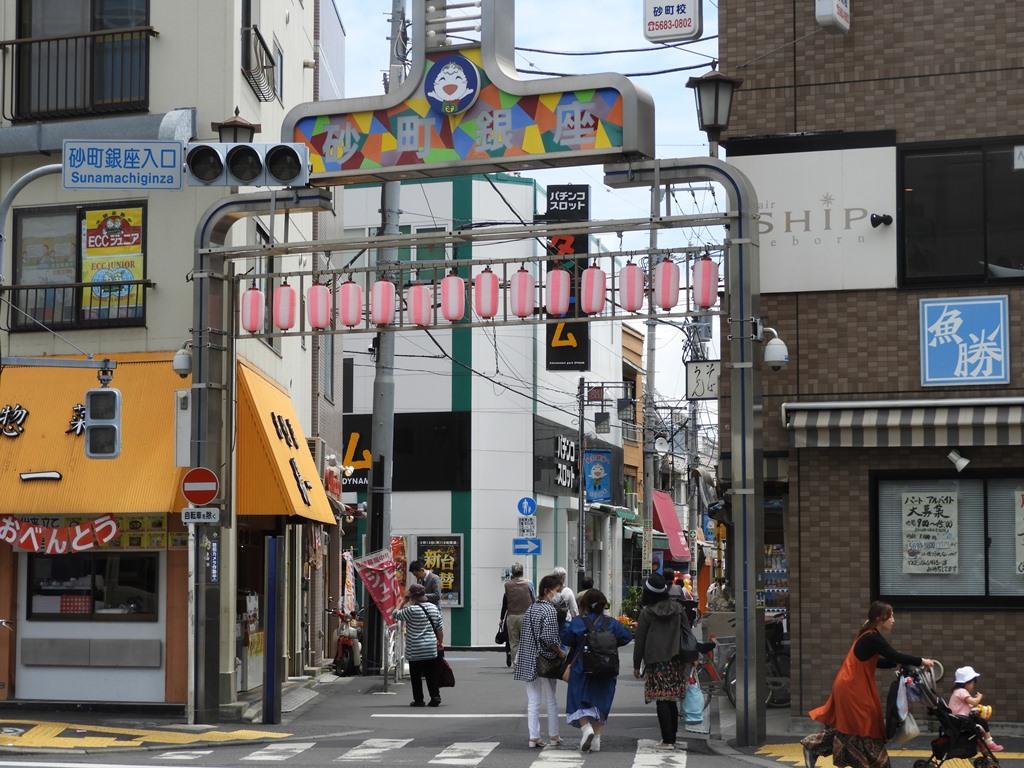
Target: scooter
{"points": [[346, 652]]}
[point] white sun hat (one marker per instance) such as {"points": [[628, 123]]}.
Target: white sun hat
{"points": [[965, 675]]}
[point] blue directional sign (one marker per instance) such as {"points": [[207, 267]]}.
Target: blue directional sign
{"points": [[98, 164], [527, 506], [526, 546]]}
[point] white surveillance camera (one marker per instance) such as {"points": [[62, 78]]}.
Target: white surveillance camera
{"points": [[776, 353], [182, 362]]}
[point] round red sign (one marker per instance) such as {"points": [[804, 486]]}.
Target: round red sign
{"points": [[200, 485]]}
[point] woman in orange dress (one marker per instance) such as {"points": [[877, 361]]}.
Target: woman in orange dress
{"points": [[854, 732]]}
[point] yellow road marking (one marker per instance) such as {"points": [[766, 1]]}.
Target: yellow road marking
{"points": [[60, 736], [793, 753]]}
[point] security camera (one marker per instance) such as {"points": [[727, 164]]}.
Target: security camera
{"points": [[182, 362], [776, 353]]}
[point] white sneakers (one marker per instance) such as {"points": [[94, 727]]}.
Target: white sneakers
{"points": [[586, 737], [595, 745]]}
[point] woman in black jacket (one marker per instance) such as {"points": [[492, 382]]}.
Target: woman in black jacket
{"points": [[657, 647]]}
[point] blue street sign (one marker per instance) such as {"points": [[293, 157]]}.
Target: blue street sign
{"points": [[527, 506], [526, 546], [143, 165]]}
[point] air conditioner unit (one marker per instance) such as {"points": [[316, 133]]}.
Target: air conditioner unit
{"points": [[631, 501]]}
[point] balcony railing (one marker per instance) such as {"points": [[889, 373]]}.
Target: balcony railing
{"points": [[258, 64], [91, 73], [64, 306]]}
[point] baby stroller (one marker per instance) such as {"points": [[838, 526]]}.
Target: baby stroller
{"points": [[959, 737]]}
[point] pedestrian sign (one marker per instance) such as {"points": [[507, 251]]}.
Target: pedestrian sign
{"points": [[144, 165], [526, 546], [527, 506], [527, 527]]}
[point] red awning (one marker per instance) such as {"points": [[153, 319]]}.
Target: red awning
{"points": [[666, 520]]}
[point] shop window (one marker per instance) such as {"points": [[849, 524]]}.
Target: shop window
{"points": [[93, 586], [950, 540], [960, 215], [79, 267]]}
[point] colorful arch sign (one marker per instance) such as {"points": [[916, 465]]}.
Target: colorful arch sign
{"points": [[462, 110]]}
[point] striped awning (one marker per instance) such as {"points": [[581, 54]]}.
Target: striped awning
{"points": [[905, 424]]}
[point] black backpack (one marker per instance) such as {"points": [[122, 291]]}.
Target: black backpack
{"points": [[600, 651]]}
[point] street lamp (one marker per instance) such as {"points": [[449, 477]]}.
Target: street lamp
{"points": [[713, 92], [236, 129]]}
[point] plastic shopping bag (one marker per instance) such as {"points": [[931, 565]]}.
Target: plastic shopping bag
{"points": [[693, 703]]}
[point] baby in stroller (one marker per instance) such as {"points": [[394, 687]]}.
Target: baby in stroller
{"points": [[966, 703]]}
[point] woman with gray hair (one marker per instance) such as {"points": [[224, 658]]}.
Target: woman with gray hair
{"points": [[565, 600], [519, 596]]}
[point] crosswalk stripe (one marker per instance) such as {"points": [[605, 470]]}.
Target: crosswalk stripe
{"points": [[465, 753], [553, 757], [649, 757], [372, 749], [279, 752], [186, 754]]}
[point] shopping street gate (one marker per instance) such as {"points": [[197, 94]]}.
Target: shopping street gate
{"points": [[463, 110]]}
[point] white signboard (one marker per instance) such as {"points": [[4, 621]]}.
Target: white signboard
{"points": [[930, 532], [702, 379], [1018, 158], [200, 515], [815, 218], [527, 527], [666, 22], [1019, 530], [833, 14], [143, 165]]}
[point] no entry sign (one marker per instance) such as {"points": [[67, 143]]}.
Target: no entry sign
{"points": [[200, 486]]}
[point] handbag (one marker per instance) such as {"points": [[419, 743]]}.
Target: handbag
{"points": [[547, 666], [687, 643], [908, 730], [693, 703], [501, 636], [445, 675]]}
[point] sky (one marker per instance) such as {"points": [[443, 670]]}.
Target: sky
{"points": [[586, 25]]}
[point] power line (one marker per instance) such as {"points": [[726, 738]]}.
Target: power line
{"points": [[650, 73]]}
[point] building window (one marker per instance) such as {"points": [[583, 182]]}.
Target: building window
{"points": [[278, 71], [79, 267], [950, 540], [347, 383], [327, 367], [267, 266], [93, 586], [960, 215]]}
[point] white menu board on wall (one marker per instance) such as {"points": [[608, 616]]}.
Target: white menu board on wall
{"points": [[930, 532], [1018, 531]]}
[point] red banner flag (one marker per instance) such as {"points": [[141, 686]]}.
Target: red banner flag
{"points": [[377, 570]]}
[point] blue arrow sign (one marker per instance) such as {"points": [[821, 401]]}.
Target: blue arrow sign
{"points": [[526, 546], [527, 506]]}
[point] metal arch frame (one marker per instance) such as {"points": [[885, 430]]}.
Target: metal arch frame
{"points": [[743, 288]]}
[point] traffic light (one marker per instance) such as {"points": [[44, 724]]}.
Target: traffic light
{"points": [[103, 423], [212, 164]]}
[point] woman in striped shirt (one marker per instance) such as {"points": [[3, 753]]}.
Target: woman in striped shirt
{"points": [[424, 639]]}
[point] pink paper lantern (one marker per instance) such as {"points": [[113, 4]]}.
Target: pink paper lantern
{"points": [[420, 304], [666, 284], [521, 289], [592, 284], [284, 306], [556, 292], [350, 303], [705, 283], [631, 287], [318, 307], [254, 309], [453, 298], [485, 290], [382, 302]]}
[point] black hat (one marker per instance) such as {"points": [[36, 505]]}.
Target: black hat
{"points": [[655, 583]]}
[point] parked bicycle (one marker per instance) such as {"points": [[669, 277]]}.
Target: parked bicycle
{"points": [[716, 670]]}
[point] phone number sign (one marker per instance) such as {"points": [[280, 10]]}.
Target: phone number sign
{"points": [[671, 22]]}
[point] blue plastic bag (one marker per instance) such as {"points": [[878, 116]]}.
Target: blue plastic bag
{"points": [[693, 704]]}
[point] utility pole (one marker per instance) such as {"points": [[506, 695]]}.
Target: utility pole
{"points": [[652, 326], [383, 430], [581, 498]]}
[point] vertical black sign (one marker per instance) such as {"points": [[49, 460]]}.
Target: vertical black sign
{"points": [[568, 343]]}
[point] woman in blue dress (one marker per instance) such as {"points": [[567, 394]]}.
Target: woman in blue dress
{"points": [[589, 700]]}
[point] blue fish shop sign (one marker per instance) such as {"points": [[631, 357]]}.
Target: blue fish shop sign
{"points": [[965, 341]]}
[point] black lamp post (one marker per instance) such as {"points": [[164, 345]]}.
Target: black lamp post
{"points": [[714, 102]]}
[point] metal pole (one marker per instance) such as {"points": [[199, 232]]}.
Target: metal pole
{"points": [[652, 328], [383, 429], [581, 498], [743, 292], [8, 199]]}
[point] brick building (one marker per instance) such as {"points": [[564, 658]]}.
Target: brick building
{"points": [[899, 330]]}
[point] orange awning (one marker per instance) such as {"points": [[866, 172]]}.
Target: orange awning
{"points": [[276, 471], [142, 479]]}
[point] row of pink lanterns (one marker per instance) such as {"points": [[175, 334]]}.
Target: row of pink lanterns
{"points": [[486, 291]]}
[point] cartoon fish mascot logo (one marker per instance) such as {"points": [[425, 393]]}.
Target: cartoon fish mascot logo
{"points": [[452, 85]]}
